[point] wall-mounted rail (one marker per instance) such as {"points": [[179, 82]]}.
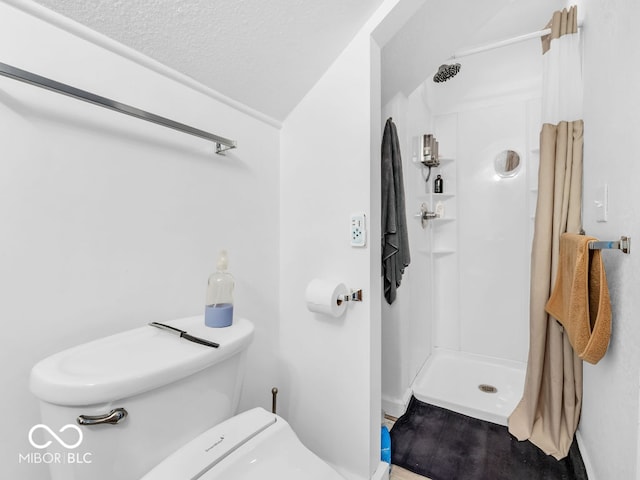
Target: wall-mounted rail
{"points": [[623, 244], [222, 144]]}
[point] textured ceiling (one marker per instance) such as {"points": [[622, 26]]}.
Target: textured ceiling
{"points": [[266, 54]]}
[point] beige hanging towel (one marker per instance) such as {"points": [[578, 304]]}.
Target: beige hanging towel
{"points": [[580, 298]]}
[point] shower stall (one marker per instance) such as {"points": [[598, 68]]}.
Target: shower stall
{"points": [[457, 335]]}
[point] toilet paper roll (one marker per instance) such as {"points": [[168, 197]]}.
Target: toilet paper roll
{"points": [[322, 296]]}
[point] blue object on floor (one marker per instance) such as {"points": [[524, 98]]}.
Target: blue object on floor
{"points": [[385, 442]]}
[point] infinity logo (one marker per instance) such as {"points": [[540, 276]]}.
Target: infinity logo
{"points": [[58, 439]]}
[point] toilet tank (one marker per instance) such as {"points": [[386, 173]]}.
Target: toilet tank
{"points": [[172, 390]]}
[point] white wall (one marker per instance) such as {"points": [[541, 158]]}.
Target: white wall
{"points": [[108, 222], [609, 421], [330, 168], [325, 174]]}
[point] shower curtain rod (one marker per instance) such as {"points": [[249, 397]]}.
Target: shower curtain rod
{"points": [[503, 43], [222, 144]]}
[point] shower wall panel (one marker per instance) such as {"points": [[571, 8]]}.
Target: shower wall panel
{"points": [[493, 227], [407, 323], [467, 286]]}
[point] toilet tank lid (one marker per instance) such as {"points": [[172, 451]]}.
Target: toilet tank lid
{"points": [[133, 362], [210, 448]]}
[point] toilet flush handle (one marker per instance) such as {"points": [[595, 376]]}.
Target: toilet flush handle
{"points": [[113, 417]]}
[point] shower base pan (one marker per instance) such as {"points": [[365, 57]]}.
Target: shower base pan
{"points": [[482, 387]]}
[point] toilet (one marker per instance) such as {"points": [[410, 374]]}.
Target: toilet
{"points": [[146, 403]]}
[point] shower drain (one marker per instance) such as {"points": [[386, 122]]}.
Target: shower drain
{"points": [[487, 388]]}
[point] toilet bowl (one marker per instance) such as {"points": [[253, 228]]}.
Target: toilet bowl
{"points": [[254, 445]]}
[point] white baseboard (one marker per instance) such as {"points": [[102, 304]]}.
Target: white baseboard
{"points": [[396, 406], [382, 472]]}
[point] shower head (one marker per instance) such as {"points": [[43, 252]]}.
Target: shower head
{"points": [[445, 72]]}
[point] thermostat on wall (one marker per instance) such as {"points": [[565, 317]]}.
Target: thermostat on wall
{"points": [[358, 230]]}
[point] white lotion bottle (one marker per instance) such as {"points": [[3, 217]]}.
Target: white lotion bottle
{"points": [[219, 302]]}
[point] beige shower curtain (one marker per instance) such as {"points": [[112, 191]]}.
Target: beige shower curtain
{"points": [[549, 410]]}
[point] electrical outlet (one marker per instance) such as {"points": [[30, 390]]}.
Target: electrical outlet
{"points": [[358, 230]]}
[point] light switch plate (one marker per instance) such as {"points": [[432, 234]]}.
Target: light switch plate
{"points": [[602, 203]]}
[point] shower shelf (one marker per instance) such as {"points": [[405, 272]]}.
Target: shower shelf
{"points": [[425, 197], [418, 163], [443, 220], [442, 253], [443, 196], [436, 253]]}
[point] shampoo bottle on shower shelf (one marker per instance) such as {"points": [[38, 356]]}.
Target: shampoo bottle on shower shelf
{"points": [[219, 304], [438, 186]]}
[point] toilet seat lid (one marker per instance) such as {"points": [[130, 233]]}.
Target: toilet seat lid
{"points": [[206, 451], [269, 449]]}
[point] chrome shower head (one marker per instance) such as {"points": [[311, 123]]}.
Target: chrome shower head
{"points": [[445, 72]]}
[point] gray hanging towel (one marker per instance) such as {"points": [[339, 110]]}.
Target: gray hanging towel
{"points": [[395, 241]]}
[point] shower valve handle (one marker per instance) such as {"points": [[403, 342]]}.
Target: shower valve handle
{"points": [[425, 215]]}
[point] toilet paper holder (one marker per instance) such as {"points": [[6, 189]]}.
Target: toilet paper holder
{"points": [[353, 296]]}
